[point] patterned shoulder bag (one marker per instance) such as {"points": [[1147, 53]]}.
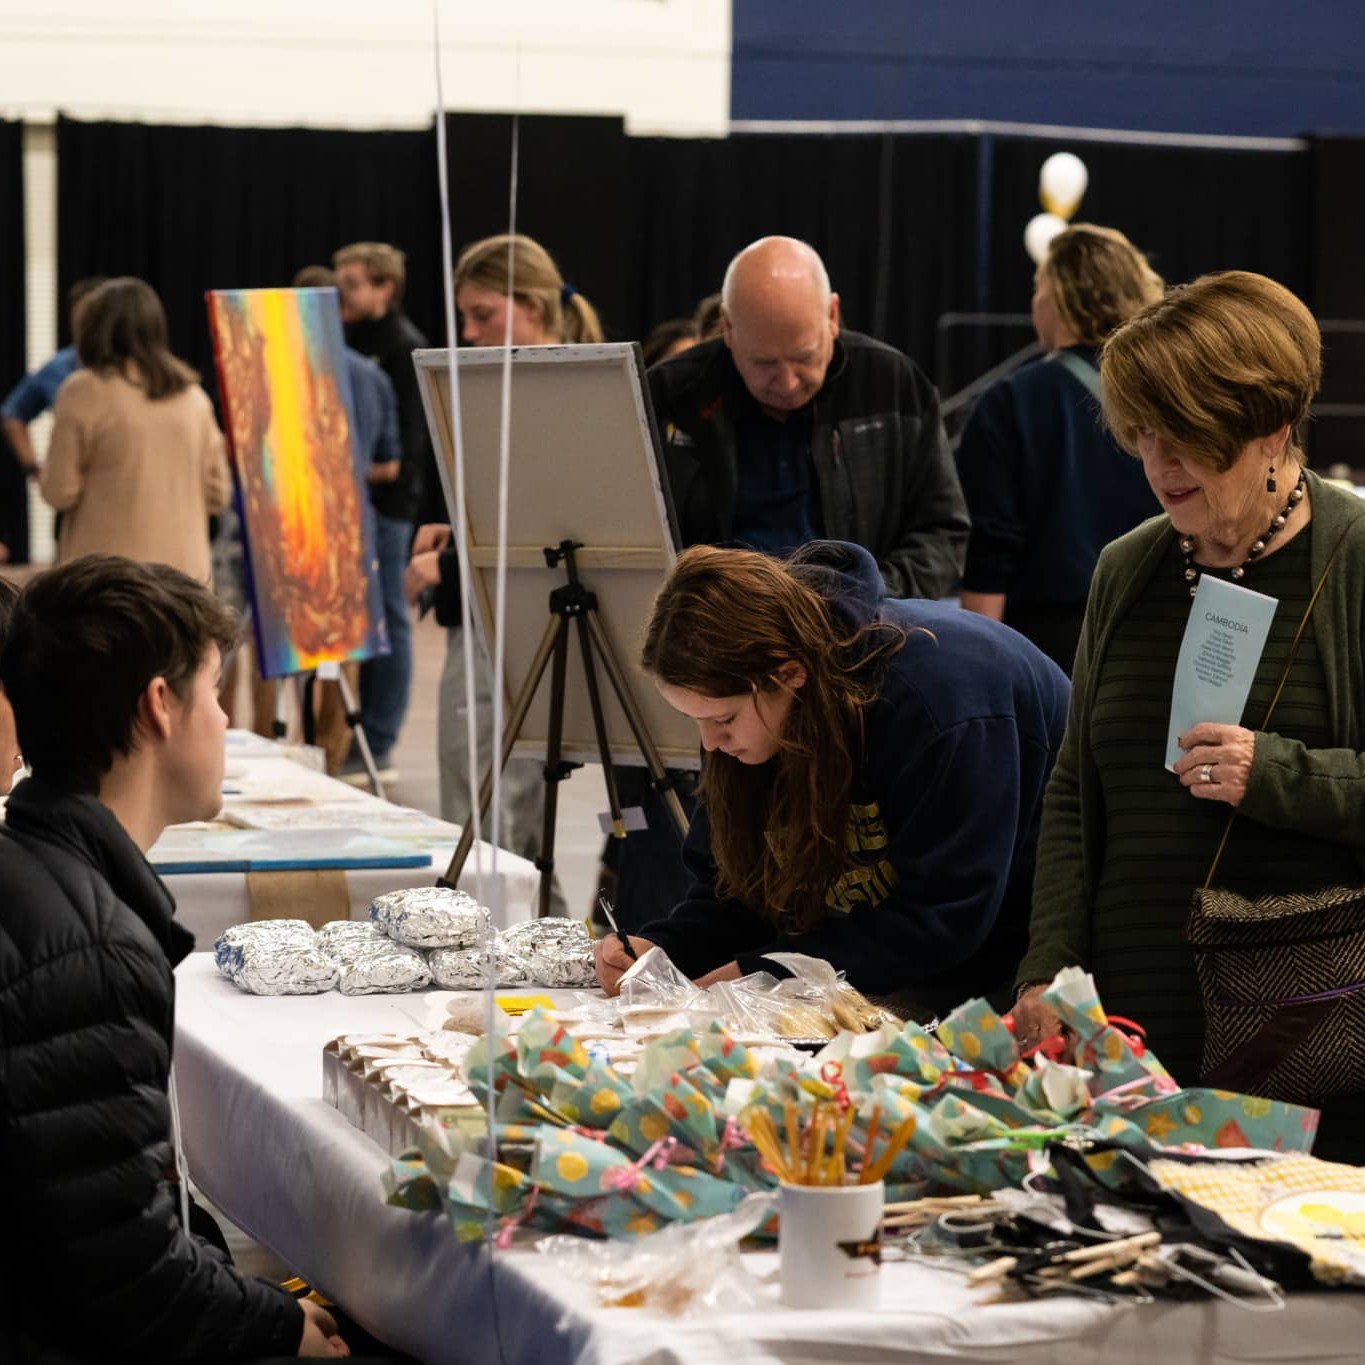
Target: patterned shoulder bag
{"points": [[1282, 977]]}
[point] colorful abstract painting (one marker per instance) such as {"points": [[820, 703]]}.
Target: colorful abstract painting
{"points": [[312, 573]]}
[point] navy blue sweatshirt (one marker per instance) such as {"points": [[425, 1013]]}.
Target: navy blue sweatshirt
{"points": [[946, 800], [1047, 486]]}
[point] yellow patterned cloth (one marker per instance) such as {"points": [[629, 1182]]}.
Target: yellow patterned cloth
{"points": [[1318, 1206]]}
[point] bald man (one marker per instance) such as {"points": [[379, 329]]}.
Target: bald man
{"points": [[788, 429]]}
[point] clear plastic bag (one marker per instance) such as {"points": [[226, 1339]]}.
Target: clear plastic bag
{"points": [[654, 990], [814, 1003], [683, 1268]]}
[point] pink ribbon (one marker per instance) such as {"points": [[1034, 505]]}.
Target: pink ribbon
{"points": [[1122, 1094], [513, 1221], [625, 1179], [732, 1137]]}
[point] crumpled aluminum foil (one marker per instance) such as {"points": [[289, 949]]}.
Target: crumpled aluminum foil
{"points": [[559, 951], [281, 932], [346, 933], [431, 917], [274, 957], [466, 969], [264, 968], [379, 966]]}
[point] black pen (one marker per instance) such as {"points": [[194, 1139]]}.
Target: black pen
{"points": [[616, 929]]}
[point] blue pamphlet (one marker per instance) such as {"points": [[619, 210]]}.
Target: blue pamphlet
{"points": [[1224, 639]]}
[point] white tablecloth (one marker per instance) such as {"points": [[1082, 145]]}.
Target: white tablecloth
{"points": [[298, 1178], [259, 771]]}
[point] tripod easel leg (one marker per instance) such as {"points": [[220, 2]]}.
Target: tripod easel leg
{"points": [[556, 770], [621, 686], [572, 600], [279, 727], [599, 725], [348, 700]]}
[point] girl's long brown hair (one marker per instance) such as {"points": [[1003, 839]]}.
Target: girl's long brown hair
{"points": [[723, 625]]}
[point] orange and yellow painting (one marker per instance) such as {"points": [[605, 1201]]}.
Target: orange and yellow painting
{"points": [[312, 574]]}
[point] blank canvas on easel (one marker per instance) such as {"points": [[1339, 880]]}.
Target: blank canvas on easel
{"points": [[584, 465]]}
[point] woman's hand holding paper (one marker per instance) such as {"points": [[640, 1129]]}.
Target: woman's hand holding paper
{"points": [[1216, 764]]}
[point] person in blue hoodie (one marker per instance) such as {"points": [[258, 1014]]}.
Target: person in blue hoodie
{"points": [[872, 778]]}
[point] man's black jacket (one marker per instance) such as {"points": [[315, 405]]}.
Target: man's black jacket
{"points": [[885, 473], [390, 341], [94, 1264]]}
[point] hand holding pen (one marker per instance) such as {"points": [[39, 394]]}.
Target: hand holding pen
{"points": [[615, 953], [616, 928]]}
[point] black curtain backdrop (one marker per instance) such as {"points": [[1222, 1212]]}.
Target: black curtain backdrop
{"points": [[195, 208], [1190, 209], [893, 218], [13, 331], [190, 209], [1338, 298], [571, 197], [911, 227]]}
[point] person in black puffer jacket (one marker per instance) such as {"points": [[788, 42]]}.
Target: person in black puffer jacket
{"points": [[112, 670]]}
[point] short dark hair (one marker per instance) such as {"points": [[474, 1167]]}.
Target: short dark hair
{"points": [[384, 264], [315, 277], [666, 335], [84, 642], [707, 317]]}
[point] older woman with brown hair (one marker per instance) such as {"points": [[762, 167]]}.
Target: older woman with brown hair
{"points": [[137, 463], [1048, 488], [1210, 389]]}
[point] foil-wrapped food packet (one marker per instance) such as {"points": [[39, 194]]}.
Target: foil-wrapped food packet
{"points": [[274, 957], [466, 969], [345, 933], [558, 950], [431, 917], [368, 968], [280, 932]]}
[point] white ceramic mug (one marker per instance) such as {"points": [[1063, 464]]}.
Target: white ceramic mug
{"points": [[830, 1245]]}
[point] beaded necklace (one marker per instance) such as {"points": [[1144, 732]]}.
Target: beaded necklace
{"points": [[1257, 548]]}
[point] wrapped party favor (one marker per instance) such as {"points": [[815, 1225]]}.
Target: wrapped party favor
{"points": [[431, 917], [366, 968], [558, 950]]}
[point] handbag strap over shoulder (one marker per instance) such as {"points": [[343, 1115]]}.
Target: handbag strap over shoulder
{"points": [[1279, 688], [1079, 368]]}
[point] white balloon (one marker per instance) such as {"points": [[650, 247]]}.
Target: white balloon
{"points": [[1062, 183], [1038, 235]]}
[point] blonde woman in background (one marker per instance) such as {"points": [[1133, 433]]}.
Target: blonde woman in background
{"points": [[1047, 486], [514, 274], [137, 463], [501, 283]]}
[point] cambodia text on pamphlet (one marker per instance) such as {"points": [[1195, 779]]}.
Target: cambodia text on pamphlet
{"points": [[1224, 638]]}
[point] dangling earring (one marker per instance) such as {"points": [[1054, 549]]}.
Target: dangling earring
{"points": [[1270, 480]]}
